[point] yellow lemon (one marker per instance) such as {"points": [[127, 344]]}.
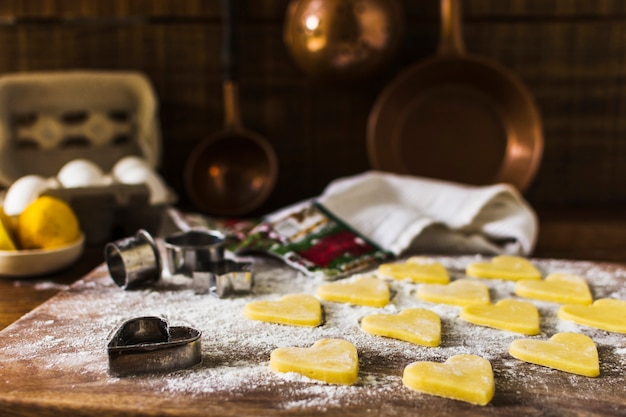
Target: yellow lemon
{"points": [[7, 238], [47, 223]]}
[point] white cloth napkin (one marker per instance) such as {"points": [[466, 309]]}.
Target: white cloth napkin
{"points": [[405, 214]]}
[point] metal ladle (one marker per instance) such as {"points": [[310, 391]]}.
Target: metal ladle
{"points": [[234, 171]]}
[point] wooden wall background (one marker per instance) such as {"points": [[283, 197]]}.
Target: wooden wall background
{"points": [[571, 54]]}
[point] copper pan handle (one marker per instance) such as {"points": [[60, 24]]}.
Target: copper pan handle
{"points": [[230, 66], [451, 42]]}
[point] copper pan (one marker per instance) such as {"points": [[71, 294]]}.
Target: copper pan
{"points": [[456, 117], [232, 172]]}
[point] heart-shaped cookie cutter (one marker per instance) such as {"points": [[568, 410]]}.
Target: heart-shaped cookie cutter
{"points": [[149, 344]]}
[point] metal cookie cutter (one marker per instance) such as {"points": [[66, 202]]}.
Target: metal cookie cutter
{"points": [[224, 279], [193, 250], [133, 261], [148, 344], [199, 254]]}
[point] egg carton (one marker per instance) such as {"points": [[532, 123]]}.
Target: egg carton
{"points": [[48, 119], [114, 211]]}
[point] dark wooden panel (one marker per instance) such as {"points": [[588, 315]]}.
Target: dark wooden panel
{"points": [[570, 55], [273, 9]]}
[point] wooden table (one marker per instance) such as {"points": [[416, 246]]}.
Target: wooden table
{"points": [[592, 233], [595, 234], [583, 235], [18, 297]]}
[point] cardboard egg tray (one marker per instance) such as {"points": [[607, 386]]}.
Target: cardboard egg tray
{"points": [[114, 211], [50, 118]]}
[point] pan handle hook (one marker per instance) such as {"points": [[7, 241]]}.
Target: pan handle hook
{"points": [[451, 42]]}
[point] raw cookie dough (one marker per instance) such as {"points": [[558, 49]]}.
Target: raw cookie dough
{"points": [[557, 287], [417, 269], [364, 291], [292, 309], [513, 315], [606, 314], [569, 352], [334, 361], [462, 377], [513, 268], [415, 325], [463, 292]]}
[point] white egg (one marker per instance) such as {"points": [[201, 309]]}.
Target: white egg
{"points": [[158, 190], [147, 176], [128, 163], [133, 175], [80, 173], [23, 192]]}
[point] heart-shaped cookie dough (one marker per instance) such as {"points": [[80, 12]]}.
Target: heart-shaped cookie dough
{"points": [[334, 361], [606, 314], [415, 325], [462, 377], [462, 292], [569, 352], [291, 309], [365, 291], [513, 315], [513, 268], [416, 269], [557, 287]]}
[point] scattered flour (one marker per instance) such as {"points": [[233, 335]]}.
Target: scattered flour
{"points": [[70, 334]]}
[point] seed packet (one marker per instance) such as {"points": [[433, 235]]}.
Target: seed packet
{"points": [[308, 238]]}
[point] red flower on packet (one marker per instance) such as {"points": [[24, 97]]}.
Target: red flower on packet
{"points": [[334, 246]]}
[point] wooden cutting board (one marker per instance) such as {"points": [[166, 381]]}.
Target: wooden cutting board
{"points": [[54, 359]]}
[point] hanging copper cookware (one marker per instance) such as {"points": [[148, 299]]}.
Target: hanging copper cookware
{"points": [[456, 117], [234, 171], [347, 40]]}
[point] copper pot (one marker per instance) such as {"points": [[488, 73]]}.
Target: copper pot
{"points": [[343, 39]]}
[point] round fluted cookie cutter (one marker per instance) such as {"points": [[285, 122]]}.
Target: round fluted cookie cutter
{"points": [[193, 250], [133, 261]]}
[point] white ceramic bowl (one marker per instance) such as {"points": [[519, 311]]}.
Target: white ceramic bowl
{"points": [[34, 262]]}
